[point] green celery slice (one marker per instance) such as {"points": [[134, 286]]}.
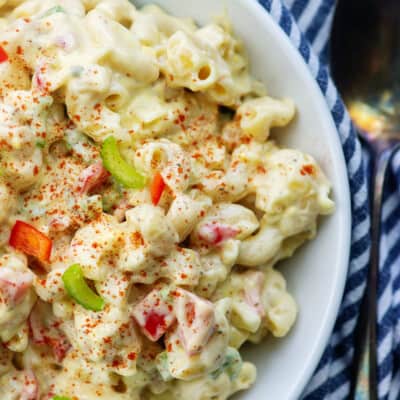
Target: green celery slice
{"points": [[162, 366], [232, 365], [53, 10], [113, 162], [79, 290]]}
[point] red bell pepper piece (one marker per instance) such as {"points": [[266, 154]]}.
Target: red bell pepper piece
{"points": [[157, 187], [92, 177], [216, 233], [30, 388], [49, 335], [154, 323], [14, 285], [308, 169], [28, 239], [196, 320], [154, 315], [253, 291], [60, 346], [3, 55]]}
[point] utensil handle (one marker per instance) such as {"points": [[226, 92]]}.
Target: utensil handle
{"points": [[369, 308]]}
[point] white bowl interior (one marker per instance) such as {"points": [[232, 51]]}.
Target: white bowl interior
{"points": [[316, 274]]}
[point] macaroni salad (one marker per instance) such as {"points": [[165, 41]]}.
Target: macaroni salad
{"points": [[143, 205]]}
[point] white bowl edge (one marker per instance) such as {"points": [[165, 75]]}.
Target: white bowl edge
{"points": [[346, 220], [314, 105]]}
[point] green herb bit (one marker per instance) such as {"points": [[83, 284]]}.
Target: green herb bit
{"points": [[232, 365], [41, 144], [110, 197], [53, 10], [76, 71], [162, 366]]}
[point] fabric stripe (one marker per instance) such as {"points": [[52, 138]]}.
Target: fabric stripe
{"points": [[331, 378], [298, 7]]}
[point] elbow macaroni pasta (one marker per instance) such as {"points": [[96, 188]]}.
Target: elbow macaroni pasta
{"points": [[185, 264]]}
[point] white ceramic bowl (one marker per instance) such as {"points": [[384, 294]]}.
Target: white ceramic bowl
{"points": [[317, 273]]}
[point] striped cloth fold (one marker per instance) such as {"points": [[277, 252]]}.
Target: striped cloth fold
{"points": [[389, 289], [308, 24]]}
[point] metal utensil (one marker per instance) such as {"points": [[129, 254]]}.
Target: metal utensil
{"points": [[365, 59]]}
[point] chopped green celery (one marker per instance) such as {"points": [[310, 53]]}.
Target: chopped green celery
{"points": [[114, 163], [165, 293], [93, 206], [79, 290], [162, 366], [60, 398], [40, 143], [110, 197], [45, 102], [68, 146], [53, 10], [76, 71], [232, 365]]}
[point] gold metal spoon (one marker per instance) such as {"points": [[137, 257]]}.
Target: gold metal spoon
{"points": [[365, 60]]}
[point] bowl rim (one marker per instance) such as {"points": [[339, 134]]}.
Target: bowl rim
{"points": [[333, 303], [344, 229]]}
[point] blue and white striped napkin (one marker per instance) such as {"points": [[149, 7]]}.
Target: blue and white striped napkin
{"points": [[308, 24], [389, 290]]}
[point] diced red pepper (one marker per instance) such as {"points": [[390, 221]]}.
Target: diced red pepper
{"points": [[157, 187], [36, 328], [154, 315], [253, 290], [196, 320], [154, 323], [39, 81], [216, 233], [28, 239], [3, 55], [307, 169], [92, 177], [59, 223], [50, 335], [39, 78], [121, 209], [14, 285], [30, 388], [60, 346], [190, 313]]}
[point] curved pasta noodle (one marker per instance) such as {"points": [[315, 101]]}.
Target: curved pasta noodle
{"points": [[189, 64], [14, 314], [169, 159], [139, 62], [121, 11], [281, 309], [259, 115], [152, 25], [186, 210], [237, 217], [149, 114], [92, 116], [260, 248], [230, 185]]}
